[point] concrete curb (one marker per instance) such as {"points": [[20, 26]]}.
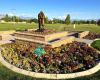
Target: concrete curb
{"points": [[49, 76]]}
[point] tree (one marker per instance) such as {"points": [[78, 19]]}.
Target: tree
{"points": [[75, 22], [17, 19], [93, 22], [35, 20], [55, 20], [87, 22], [29, 21], [67, 20], [6, 18], [13, 18], [50, 21], [46, 20], [98, 22]]}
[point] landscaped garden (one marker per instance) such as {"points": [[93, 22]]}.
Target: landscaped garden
{"points": [[11, 75], [69, 58], [49, 40]]}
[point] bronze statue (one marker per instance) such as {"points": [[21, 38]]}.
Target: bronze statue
{"points": [[41, 18]]}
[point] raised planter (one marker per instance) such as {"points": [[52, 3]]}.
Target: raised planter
{"points": [[49, 76], [83, 34], [41, 37]]}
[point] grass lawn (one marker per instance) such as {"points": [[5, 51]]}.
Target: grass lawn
{"points": [[58, 27], [81, 27], [96, 44], [6, 74], [9, 26]]}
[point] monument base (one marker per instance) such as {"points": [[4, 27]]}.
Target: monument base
{"points": [[53, 39]]}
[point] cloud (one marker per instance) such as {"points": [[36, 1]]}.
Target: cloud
{"points": [[80, 15], [20, 14], [61, 17]]}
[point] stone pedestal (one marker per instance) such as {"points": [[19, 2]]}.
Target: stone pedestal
{"points": [[54, 39]]}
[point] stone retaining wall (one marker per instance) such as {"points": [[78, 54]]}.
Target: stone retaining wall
{"points": [[41, 37], [35, 37], [31, 40], [49, 76], [56, 35], [62, 41], [83, 34]]}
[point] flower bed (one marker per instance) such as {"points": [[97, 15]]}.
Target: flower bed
{"points": [[44, 32], [69, 58], [92, 36]]}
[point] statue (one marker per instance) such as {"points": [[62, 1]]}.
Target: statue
{"points": [[41, 18]]}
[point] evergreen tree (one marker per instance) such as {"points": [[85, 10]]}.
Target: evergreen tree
{"points": [[6, 18], [67, 20]]}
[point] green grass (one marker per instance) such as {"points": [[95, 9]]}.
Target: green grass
{"points": [[9, 26], [6, 74], [96, 44], [81, 27], [58, 27]]}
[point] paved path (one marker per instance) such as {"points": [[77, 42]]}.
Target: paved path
{"points": [[4, 42], [87, 41], [7, 37]]}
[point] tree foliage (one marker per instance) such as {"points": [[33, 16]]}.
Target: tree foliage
{"points": [[67, 20], [15, 19], [46, 20], [84, 22], [6, 18], [55, 20]]}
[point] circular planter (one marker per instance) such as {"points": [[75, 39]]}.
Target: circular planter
{"points": [[49, 76]]}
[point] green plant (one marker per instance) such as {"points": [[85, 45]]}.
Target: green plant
{"points": [[96, 44]]}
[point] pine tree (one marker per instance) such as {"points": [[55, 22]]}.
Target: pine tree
{"points": [[6, 18], [67, 20]]}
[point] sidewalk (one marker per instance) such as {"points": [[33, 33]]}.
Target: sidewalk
{"points": [[87, 41]]}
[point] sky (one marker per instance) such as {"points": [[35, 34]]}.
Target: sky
{"points": [[78, 9]]}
